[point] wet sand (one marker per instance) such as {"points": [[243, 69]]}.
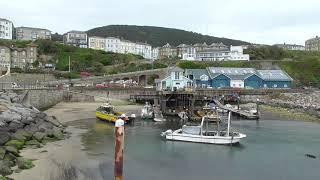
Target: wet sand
{"points": [[51, 157]]}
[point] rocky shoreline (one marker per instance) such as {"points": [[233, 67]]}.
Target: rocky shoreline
{"points": [[23, 126], [307, 102]]}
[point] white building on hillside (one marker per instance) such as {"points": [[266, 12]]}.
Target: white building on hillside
{"points": [[98, 43], [127, 47], [234, 54], [6, 29], [155, 53], [144, 50], [117, 45], [113, 45]]}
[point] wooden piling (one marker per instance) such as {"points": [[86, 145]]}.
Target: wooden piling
{"points": [[119, 144]]}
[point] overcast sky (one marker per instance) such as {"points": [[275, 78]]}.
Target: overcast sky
{"points": [[257, 21]]}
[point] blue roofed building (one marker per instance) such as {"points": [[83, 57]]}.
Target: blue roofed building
{"points": [[275, 79]]}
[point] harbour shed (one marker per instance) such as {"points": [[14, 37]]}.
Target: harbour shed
{"points": [[200, 77], [275, 79], [218, 78], [236, 77]]}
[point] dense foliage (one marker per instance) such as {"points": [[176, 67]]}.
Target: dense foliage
{"points": [[276, 53], [305, 72], [158, 36]]}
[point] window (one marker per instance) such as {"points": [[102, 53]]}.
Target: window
{"points": [[23, 60], [2, 51], [285, 85], [31, 53], [239, 85], [31, 60], [176, 75], [177, 83], [23, 53], [275, 85], [234, 85]]}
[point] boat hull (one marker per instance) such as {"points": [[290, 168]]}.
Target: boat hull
{"points": [[205, 139], [109, 117]]}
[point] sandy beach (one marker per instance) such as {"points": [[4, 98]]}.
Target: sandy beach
{"points": [[50, 159]]}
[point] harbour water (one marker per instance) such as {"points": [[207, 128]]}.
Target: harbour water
{"points": [[274, 149]]}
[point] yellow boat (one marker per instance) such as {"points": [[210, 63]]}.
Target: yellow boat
{"points": [[106, 112]]}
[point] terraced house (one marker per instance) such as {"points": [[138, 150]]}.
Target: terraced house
{"points": [[5, 56], [24, 57], [226, 78]]}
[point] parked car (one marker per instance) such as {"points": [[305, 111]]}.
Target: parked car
{"points": [[102, 85]]}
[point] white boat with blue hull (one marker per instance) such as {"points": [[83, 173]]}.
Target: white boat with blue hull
{"points": [[199, 135]]}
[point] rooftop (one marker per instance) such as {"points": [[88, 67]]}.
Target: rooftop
{"points": [[197, 73], [274, 75], [77, 32], [34, 28], [2, 19]]}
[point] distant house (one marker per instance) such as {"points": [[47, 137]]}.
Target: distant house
{"points": [[234, 54], [24, 57], [98, 43], [313, 44], [76, 38], [6, 29], [167, 51], [291, 47], [175, 81], [5, 56], [32, 34]]}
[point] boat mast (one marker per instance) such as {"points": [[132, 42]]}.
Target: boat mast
{"points": [[229, 119]]}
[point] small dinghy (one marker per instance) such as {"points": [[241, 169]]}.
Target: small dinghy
{"points": [[198, 134]]}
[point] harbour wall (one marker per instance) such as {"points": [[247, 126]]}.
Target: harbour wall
{"points": [[46, 98]]}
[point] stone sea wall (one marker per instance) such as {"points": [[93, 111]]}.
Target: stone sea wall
{"points": [[23, 126]]}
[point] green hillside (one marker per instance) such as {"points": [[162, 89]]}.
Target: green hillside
{"points": [[158, 36]]}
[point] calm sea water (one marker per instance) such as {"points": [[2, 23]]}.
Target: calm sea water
{"points": [[273, 149]]}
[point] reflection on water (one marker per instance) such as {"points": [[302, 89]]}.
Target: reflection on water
{"points": [[273, 150]]}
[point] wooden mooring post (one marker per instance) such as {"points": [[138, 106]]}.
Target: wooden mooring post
{"points": [[118, 154]]}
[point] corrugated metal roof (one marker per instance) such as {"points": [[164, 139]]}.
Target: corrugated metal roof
{"points": [[231, 71], [197, 73], [274, 75]]}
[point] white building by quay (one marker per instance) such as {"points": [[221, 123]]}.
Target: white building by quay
{"points": [[6, 29], [234, 54]]}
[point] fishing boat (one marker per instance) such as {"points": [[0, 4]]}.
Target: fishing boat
{"points": [[107, 112], [147, 112], [199, 134]]}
